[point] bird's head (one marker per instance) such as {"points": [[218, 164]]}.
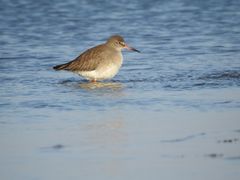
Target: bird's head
{"points": [[118, 43]]}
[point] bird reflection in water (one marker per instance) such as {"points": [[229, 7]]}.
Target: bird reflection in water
{"points": [[101, 85]]}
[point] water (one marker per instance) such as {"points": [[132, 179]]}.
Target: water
{"points": [[172, 111]]}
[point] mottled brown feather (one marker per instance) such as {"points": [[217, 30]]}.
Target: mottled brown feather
{"points": [[87, 61]]}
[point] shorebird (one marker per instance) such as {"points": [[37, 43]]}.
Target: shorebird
{"points": [[100, 62]]}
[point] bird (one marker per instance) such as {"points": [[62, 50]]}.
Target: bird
{"points": [[100, 62]]}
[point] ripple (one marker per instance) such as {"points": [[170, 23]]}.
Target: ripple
{"points": [[54, 148], [37, 104], [223, 75], [233, 140], [183, 138], [215, 155]]}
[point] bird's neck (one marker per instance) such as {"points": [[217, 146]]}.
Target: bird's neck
{"points": [[112, 46]]}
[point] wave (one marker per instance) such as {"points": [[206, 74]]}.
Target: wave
{"points": [[222, 75]]}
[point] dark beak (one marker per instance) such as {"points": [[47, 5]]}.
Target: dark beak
{"points": [[131, 48]]}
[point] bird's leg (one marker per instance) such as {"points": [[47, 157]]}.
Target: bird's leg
{"points": [[93, 80]]}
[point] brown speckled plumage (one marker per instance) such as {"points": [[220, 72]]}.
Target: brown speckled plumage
{"points": [[87, 61]]}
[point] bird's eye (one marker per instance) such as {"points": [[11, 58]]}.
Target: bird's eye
{"points": [[121, 43]]}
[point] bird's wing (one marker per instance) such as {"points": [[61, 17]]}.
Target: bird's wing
{"points": [[87, 61]]}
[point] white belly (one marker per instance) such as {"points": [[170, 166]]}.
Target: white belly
{"points": [[106, 72]]}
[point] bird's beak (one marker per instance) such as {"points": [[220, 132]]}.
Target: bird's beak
{"points": [[131, 48]]}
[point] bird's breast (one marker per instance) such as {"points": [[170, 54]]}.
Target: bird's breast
{"points": [[107, 69]]}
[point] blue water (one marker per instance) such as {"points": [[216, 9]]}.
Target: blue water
{"points": [[185, 82]]}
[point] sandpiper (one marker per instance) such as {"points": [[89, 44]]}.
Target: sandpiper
{"points": [[100, 62]]}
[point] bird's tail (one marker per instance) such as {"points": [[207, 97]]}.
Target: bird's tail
{"points": [[60, 67]]}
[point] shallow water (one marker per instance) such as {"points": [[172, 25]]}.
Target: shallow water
{"points": [[172, 111]]}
